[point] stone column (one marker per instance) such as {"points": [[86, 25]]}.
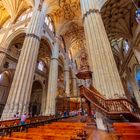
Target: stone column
{"points": [[74, 80], [67, 78], [44, 100], [106, 77], [19, 95], [52, 82], [74, 83]]}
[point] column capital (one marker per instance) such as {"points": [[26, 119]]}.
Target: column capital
{"points": [[54, 58], [34, 36], [89, 12]]}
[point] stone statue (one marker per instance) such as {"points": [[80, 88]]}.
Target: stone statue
{"points": [[84, 63]]}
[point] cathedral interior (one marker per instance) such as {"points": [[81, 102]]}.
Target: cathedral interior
{"points": [[70, 55]]}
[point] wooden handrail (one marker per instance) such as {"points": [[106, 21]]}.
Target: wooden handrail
{"points": [[96, 92], [110, 106]]}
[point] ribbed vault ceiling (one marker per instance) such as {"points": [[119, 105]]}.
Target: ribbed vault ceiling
{"points": [[61, 11], [119, 18], [12, 9]]}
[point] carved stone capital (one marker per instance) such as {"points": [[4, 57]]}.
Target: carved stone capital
{"points": [[54, 58], [89, 12], [34, 36]]}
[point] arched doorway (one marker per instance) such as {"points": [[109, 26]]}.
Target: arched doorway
{"points": [[5, 83], [36, 98]]}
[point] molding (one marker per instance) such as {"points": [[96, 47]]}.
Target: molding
{"points": [[73, 78], [89, 12], [12, 58], [66, 71], [54, 58], [34, 36], [3, 50]]}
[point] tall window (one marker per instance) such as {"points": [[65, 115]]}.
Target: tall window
{"points": [[40, 66], [27, 14], [49, 23], [126, 46]]}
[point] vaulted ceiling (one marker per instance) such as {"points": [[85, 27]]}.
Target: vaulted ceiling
{"points": [[12, 9], [66, 15], [119, 19]]}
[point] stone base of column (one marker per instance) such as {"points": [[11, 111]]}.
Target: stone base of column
{"points": [[100, 122], [50, 112], [10, 110], [50, 109]]}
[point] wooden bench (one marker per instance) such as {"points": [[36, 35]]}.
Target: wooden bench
{"points": [[54, 131], [40, 136], [14, 122], [127, 131], [11, 138]]}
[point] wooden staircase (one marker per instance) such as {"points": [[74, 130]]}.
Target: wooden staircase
{"points": [[111, 107]]}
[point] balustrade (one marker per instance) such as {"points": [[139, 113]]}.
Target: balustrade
{"points": [[110, 106]]}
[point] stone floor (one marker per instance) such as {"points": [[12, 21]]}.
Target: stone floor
{"points": [[94, 134], [92, 131]]}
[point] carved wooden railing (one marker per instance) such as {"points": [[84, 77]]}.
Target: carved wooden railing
{"points": [[110, 106]]}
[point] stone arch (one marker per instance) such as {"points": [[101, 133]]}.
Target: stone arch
{"points": [[39, 81], [13, 45], [12, 36], [48, 41], [104, 4], [5, 83]]}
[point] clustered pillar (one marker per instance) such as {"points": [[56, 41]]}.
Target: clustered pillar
{"points": [[74, 83], [19, 96], [52, 83], [106, 78], [67, 77], [105, 74]]}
